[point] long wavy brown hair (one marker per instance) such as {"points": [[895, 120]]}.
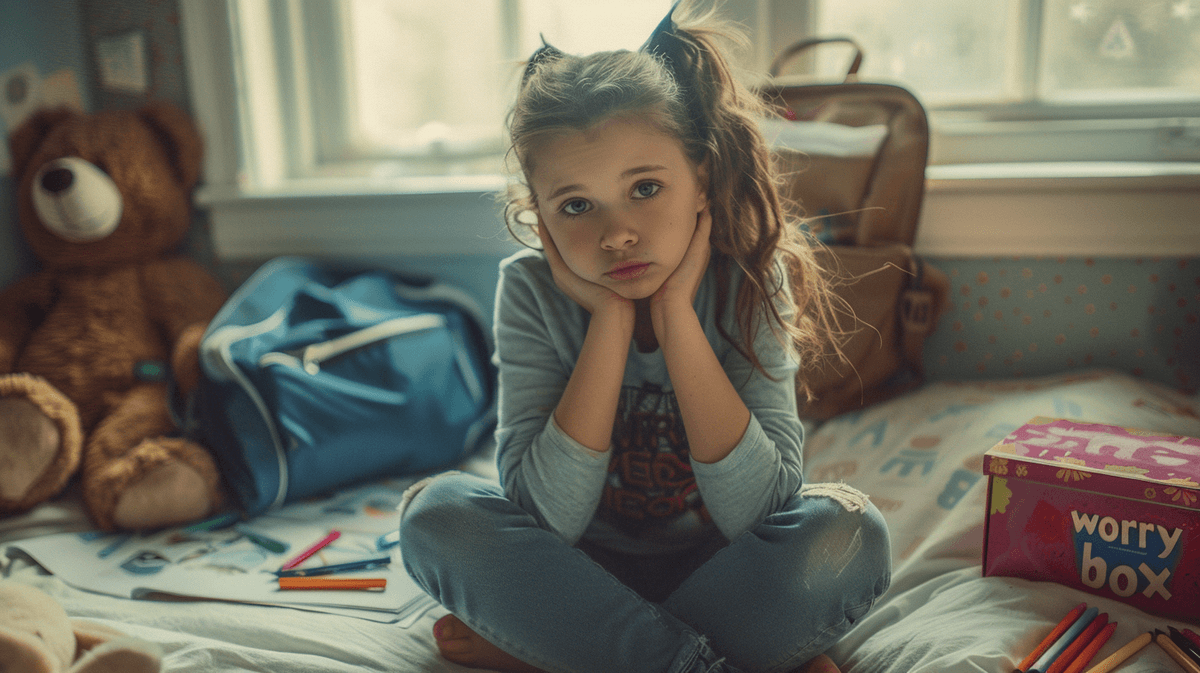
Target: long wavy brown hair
{"points": [[715, 117]]}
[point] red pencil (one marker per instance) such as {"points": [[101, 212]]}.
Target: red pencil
{"points": [[1081, 641], [321, 544], [1085, 657], [1050, 639]]}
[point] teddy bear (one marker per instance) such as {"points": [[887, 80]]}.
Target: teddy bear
{"points": [[89, 342], [37, 636]]}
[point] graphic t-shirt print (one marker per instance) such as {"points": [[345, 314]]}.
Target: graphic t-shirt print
{"points": [[650, 482]]}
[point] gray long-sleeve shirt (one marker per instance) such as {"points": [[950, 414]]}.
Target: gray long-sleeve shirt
{"points": [[645, 494]]}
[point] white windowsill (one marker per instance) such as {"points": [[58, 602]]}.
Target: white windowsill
{"points": [[1114, 209], [1044, 176]]}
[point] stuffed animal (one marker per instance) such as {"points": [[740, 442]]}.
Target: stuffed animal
{"points": [[89, 342], [36, 636]]}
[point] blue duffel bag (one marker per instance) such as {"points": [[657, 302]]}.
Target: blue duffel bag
{"points": [[314, 378]]}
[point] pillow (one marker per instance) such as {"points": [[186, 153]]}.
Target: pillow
{"points": [[1033, 316]]}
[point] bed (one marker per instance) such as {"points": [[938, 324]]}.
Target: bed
{"points": [[920, 458], [1035, 350]]}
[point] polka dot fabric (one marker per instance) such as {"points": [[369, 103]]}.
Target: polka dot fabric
{"points": [[1016, 317]]}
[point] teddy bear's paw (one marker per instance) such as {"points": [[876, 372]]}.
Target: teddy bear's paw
{"points": [[170, 494], [40, 441], [28, 443], [121, 656], [159, 482]]}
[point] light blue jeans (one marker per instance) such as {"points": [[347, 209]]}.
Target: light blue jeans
{"points": [[772, 599]]}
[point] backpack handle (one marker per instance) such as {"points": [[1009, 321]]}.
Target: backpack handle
{"points": [[803, 45]]}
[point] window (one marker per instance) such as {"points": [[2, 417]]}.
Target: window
{"points": [[347, 126], [385, 90], [1037, 80]]}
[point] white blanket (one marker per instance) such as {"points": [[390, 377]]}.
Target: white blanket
{"points": [[939, 616]]}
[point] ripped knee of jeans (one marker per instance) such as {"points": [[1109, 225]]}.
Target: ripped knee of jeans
{"points": [[412, 491], [859, 541], [850, 498]]}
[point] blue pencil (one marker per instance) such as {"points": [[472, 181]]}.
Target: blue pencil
{"points": [[1047, 660], [363, 564]]}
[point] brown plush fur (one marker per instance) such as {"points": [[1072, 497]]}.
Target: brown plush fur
{"points": [[62, 449], [96, 309]]}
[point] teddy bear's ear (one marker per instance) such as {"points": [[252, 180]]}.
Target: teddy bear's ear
{"points": [[179, 135], [24, 140]]}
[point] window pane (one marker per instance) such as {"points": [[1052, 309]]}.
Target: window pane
{"points": [[1132, 49], [589, 26], [424, 78], [948, 51], [436, 77]]}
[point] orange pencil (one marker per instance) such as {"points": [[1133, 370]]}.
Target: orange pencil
{"points": [[1083, 640], [322, 582], [1085, 657], [1185, 662], [1050, 639]]}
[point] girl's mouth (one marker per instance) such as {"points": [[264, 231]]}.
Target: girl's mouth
{"points": [[628, 271]]}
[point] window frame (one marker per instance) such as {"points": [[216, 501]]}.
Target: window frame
{"points": [[259, 208]]}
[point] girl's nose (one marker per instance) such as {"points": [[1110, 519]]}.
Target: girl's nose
{"points": [[617, 235]]}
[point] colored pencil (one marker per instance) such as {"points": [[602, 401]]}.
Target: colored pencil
{"points": [[1192, 636], [340, 583], [362, 564], [1063, 643], [224, 520], [1085, 657], [320, 544], [1185, 662], [1081, 641], [270, 544], [1189, 648], [1049, 640], [1117, 658]]}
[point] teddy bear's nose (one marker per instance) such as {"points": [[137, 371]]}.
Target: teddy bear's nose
{"points": [[57, 180]]}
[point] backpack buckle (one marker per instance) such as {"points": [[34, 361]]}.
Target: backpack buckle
{"points": [[916, 311]]}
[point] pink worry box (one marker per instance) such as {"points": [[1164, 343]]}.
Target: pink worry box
{"points": [[1112, 511]]}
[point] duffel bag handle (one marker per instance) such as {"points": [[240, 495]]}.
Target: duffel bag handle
{"points": [[803, 45]]}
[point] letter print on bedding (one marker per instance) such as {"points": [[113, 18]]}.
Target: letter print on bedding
{"points": [[650, 489]]}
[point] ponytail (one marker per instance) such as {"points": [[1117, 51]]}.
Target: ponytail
{"points": [[752, 225]]}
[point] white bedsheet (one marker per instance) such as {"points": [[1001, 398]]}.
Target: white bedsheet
{"points": [[939, 616]]}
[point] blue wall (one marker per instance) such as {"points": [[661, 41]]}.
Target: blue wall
{"points": [[49, 34]]}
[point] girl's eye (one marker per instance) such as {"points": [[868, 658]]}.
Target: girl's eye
{"points": [[576, 207], [645, 190]]}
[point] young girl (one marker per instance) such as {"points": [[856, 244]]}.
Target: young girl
{"points": [[650, 515]]}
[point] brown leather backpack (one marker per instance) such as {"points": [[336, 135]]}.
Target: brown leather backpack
{"points": [[854, 156]]}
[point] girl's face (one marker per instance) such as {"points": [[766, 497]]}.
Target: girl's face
{"points": [[620, 202]]}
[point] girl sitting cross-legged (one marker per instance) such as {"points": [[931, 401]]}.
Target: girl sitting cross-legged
{"points": [[650, 514]]}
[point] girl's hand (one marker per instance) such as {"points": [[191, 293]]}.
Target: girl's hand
{"points": [[589, 295], [678, 291]]}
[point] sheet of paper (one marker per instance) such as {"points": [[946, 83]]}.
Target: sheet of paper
{"points": [[226, 565]]}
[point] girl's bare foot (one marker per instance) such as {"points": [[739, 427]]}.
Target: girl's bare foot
{"points": [[460, 644], [819, 664]]}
